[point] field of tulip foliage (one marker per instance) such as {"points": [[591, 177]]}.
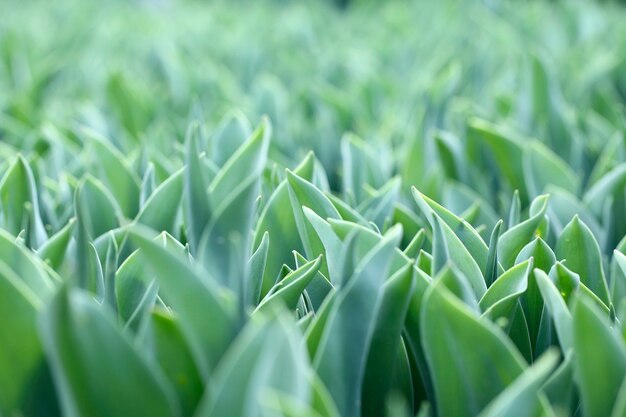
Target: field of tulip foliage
{"points": [[285, 208]]}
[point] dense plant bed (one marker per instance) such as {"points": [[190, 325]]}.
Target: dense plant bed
{"points": [[272, 209]]}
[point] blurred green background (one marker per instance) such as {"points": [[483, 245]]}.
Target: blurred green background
{"points": [[387, 71]]}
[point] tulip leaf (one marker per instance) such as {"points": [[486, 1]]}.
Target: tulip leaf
{"points": [[513, 240], [85, 350], [600, 359], [465, 380], [582, 254], [195, 298]]}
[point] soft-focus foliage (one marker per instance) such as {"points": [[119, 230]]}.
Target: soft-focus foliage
{"points": [[285, 209]]}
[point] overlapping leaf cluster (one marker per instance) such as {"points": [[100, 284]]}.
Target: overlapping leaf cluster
{"points": [[429, 218]]}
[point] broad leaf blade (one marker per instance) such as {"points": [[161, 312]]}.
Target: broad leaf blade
{"points": [[92, 362], [600, 358], [465, 380]]}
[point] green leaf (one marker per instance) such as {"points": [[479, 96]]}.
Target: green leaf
{"points": [[581, 251], [257, 267], [268, 354], [333, 246], [465, 380], [414, 161], [230, 134], [277, 220], [379, 207], [605, 187], [160, 209], [447, 247], [317, 328], [568, 283], [321, 400], [346, 211], [53, 251], [522, 397], [94, 275], [424, 262], [246, 163], [225, 243], [96, 209], [491, 266], [21, 351], [564, 206], [463, 230], [196, 199], [540, 251], [513, 240], [514, 210], [557, 309], [560, 388], [470, 205], [109, 267], [127, 103], [135, 293], [618, 278], [402, 383], [507, 152], [363, 167], [619, 410], [304, 194], [607, 157], [565, 280], [517, 329], [501, 298], [148, 185], [542, 167], [175, 359], [20, 205], [532, 302], [318, 288], [30, 270], [457, 283], [415, 245], [119, 236], [195, 298], [93, 362], [600, 358], [341, 356], [411, 223], [118, 175], [381, 358], [276, 404], [450, 150], [368, 238], [289, 290]]}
